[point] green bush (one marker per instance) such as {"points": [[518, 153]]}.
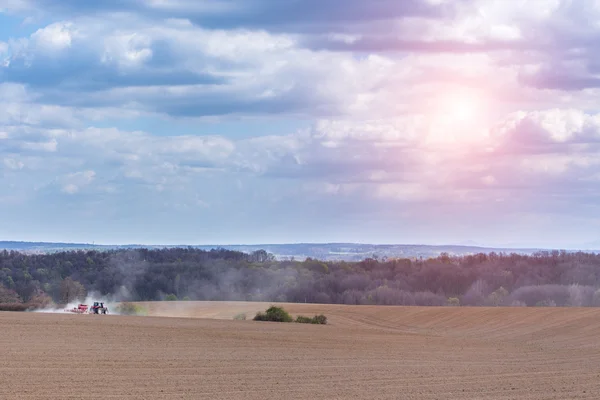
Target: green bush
{"points": [[317, 320], [303, 320], [130, 309], [171, 297], [274, 314], [240, 317]]}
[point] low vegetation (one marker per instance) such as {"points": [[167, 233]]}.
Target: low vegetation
{"points": [[278, 314], [131, 309], [274, 314], [240, 317], [317, 319]]}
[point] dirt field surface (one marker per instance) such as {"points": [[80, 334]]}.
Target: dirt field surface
{"points": [[364, 353]]}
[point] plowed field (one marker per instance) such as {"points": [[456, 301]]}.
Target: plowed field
{"points": [[195, 350]]}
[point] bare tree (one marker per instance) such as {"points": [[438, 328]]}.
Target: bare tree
{"points": [[71, 290]]}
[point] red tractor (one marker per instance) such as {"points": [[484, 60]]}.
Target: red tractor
{"points": [[98, 308]]}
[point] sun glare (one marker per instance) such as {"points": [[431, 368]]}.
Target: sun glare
{"points": [[462, 110], [457, 117]]}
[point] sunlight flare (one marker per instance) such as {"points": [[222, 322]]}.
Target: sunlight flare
{"points": [[458, 117]]}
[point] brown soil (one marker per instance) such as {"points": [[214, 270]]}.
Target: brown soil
{"points": [[364, 353]]}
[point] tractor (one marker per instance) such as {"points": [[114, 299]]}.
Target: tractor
{"points": [[98, 308]]}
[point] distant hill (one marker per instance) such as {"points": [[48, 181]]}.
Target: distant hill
{"points": [[298, 251]]}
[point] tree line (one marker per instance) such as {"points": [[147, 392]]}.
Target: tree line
{"points": [[553, 278]]}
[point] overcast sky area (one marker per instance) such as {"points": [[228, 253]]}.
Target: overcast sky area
{"points": [[261, 121]]}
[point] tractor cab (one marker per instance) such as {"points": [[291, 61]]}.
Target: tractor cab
{"points": [[98, 308]]}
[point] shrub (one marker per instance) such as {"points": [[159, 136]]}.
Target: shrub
{"points": [[498, 297], [240, 317], [274, 314], [260, 317], [453, 301], [130, 309], [303, 320], [546, 303], [171, 297], [317, 319]]}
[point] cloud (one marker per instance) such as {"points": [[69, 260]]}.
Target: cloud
{"points": [[377, 116], [545, 129], [49, 146], [184, 68], [72, 183], [14, 164], [393, 157], [54, 37], [372, 170], [189, 71]]}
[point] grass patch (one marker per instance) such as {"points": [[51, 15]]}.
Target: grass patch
{"points": [[240, 317], [131, 309], [317, 320]]}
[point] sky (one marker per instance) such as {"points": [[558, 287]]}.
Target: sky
{"points": [[261, 121]]}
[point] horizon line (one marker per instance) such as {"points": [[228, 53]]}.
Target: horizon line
{"points": [[216, 245]]}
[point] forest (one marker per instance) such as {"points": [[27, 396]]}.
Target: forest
{"points": [[553, 278]]}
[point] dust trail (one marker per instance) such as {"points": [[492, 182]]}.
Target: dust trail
{"points": [[109, 301]]}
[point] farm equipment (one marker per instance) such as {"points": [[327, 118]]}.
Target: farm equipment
{"points": [[98, 308], [80, 309]]}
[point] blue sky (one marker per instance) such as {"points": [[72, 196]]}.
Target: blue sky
{"points": [[253, 121]]}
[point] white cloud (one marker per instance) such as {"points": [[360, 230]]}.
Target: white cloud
{"points": [[378, 91], [49, 146], [55, 37], [12, 163], [127, 49], [263, 72], [70, 188], [554, 125], [13, 93], [74, 182]]}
